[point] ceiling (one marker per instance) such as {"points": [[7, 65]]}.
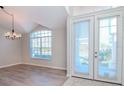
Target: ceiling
{"points": [[28, 17], [52, 17]]}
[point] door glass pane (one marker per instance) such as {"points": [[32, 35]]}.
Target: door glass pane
{"points": [[107, 48], [81, 47]]}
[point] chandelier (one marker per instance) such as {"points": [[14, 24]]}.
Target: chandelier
{"points": [[11, 35]]}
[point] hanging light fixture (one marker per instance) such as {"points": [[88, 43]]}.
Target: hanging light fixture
{"points": [[11, 35]]}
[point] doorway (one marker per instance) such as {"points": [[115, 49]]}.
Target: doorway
{"points": [[97, 43]]}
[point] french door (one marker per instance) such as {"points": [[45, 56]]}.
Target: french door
{"points": [[97, 50], [83, 47], [108, 48]]}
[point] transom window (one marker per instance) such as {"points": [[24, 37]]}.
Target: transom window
{"points": [[40, 42]]}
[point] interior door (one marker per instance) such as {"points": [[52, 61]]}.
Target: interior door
{"points": [[108, 48], [83, 47]]}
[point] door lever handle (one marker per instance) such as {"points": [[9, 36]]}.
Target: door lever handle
{"points": [[96, 54]]}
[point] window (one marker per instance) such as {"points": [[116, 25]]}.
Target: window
{"points": [[40, 43]]}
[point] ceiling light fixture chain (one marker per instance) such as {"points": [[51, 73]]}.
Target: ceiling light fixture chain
{"points": [[11, 35]]}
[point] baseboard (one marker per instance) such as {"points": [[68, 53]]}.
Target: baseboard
{"points": [[60, 68], [4, 66]]}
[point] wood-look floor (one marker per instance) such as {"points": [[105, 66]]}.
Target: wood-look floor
{"points": [[28, 75]]}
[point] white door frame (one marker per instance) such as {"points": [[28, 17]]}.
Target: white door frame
{"points": [[119, 46], [90, 76], [70, 39]]}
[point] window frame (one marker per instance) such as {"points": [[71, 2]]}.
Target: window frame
{"points": [[30, 41]]}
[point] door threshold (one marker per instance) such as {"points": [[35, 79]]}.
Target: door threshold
{"points": [[97, 80]]}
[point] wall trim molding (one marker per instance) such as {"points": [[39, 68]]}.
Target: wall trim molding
{"points": [[52, 67], [60, 68], [4, 66]]}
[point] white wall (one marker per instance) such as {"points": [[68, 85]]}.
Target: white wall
{"points": [[58, 51], [10, 50]]}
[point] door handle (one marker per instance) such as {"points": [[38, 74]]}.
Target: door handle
{"points": [[96, 54]]}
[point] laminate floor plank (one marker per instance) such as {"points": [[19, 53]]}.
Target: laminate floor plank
{"points": [[29, 75]]}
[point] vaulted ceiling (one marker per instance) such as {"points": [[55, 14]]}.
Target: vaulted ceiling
{"points": [[53, 17], [28, 17]]}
